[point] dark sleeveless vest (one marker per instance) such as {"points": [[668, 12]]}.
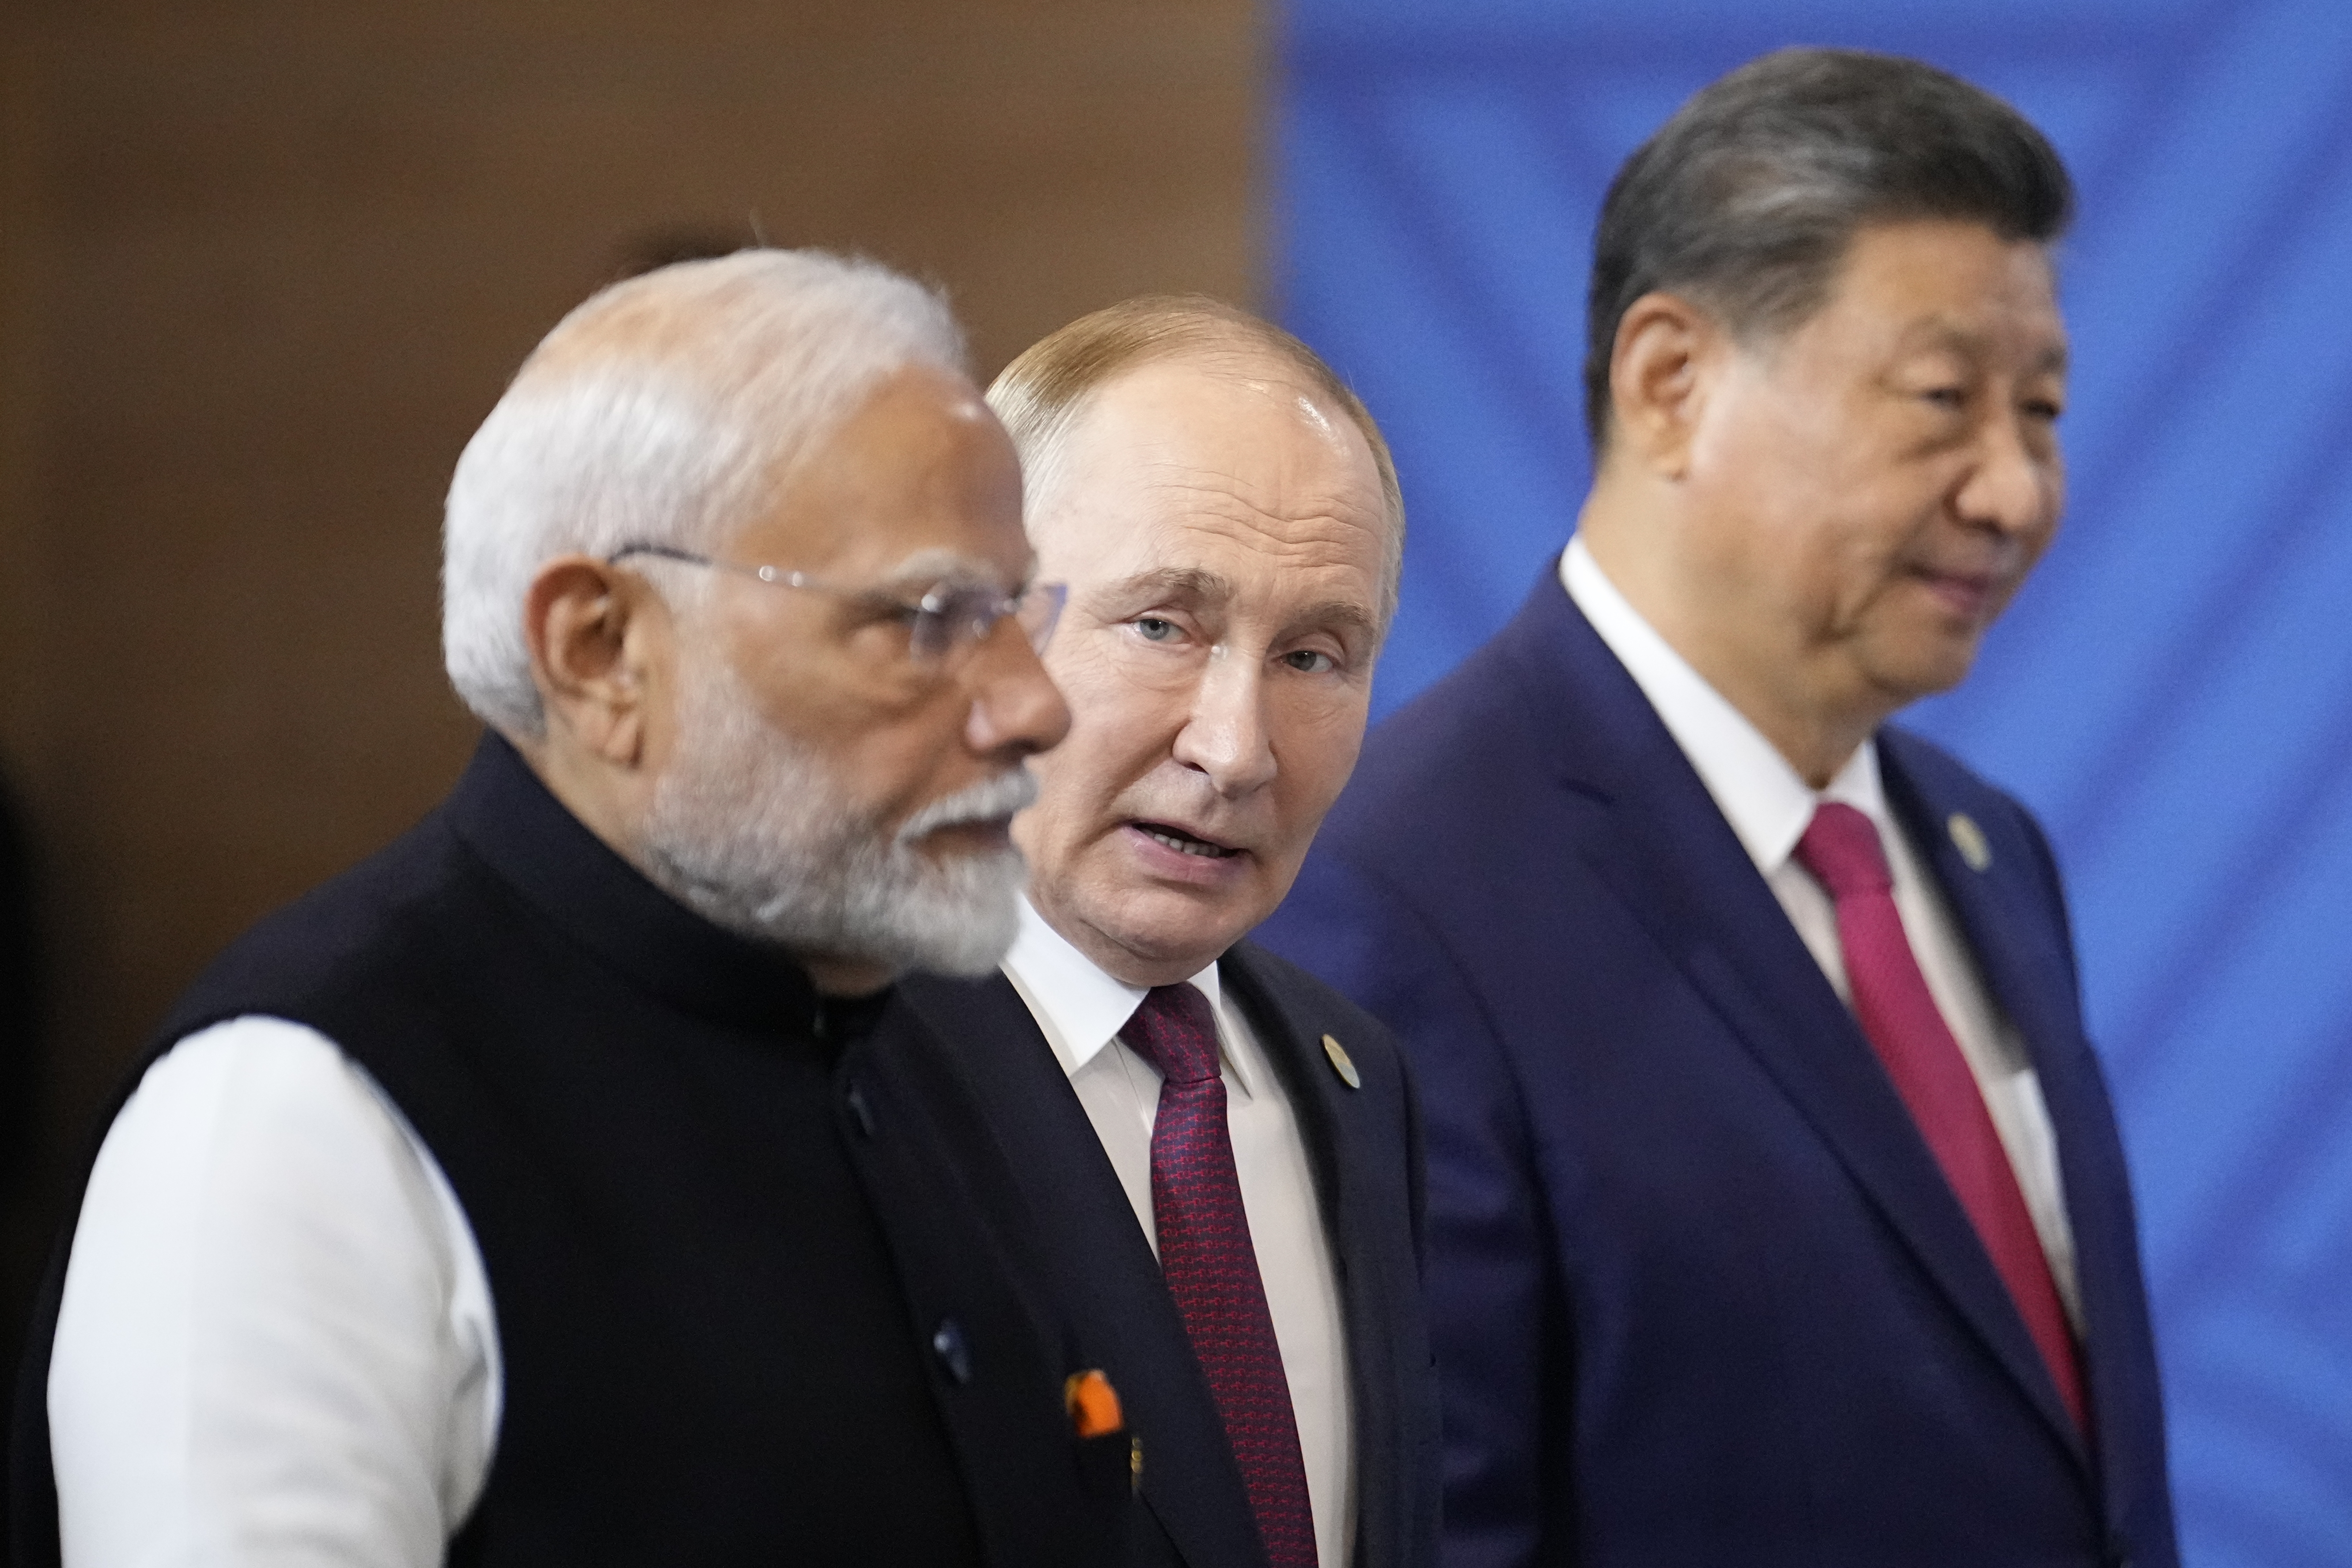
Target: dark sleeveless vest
{"points": [[763, 1293]]}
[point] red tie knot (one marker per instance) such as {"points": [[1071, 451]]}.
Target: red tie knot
{"points": [[1840, 848], [1175, 1031]]}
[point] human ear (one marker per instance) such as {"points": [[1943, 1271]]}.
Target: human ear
{"points": [[596, 635], [1657, 380]]}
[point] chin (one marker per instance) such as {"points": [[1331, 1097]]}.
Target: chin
{"points": [[1923, 679], [1175, 936], [1926, 664]]}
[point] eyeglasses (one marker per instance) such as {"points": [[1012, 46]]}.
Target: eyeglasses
{"points": [[948, 617]]}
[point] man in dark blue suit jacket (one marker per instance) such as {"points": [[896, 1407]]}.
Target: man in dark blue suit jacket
{"points": [[1712, 1286], [1227, 519]]}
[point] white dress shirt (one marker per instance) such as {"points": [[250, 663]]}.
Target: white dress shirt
{"points": [[1080, 1009], [1769, 805], [276, 1347]]}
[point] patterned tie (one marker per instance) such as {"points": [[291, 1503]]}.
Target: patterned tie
{"points": [[1892, 1002], [1212, 1268]]}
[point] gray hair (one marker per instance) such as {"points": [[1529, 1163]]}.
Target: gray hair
{"points": [[1744, 201], [666, 410]]}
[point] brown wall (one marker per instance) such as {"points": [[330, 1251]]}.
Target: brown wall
{"points": [[262, 269]]}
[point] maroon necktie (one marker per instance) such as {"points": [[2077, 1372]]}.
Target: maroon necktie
{"points": [[1212, 1268], [1891, 1000]]}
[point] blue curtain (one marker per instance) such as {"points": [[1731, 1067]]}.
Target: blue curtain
{"points": [[2172, 692]]}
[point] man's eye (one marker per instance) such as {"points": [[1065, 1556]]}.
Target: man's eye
{"points": [[1311, 662], [1946, 396], [1156, 629]]}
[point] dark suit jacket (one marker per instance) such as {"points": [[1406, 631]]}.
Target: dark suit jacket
{"points": [[765, 1291], [1700, 1294], [1364, 1147]]}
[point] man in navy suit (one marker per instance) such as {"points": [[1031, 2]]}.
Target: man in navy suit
{"points": [[1778, 1218], [1222, 1150]]}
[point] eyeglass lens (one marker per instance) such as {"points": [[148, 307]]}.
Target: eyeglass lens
{"points": [[950, 618]]}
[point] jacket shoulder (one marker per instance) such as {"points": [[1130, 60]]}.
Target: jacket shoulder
{"points": [[1447, 735], [370, 930], [1309, 1006], [1490, 744], [1293, 989], [1933, 787], [1940, 777]]}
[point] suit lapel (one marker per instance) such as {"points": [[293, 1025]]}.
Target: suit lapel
{"points": [[1645, 823], [1997, 909], [1107, 1273], [2033, 991], [1329, 1116]]}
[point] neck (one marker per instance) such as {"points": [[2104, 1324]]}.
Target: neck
{"points": [[835, 976], [589, 788], [1732, 646], [1123, 963]]}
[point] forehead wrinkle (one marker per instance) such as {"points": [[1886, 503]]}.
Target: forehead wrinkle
{"points": [[1197, 500], [1944, 333], [1317, 541]]}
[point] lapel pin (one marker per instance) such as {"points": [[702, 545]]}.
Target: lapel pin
{"points": [[1969, 840], [1340, 1064]]}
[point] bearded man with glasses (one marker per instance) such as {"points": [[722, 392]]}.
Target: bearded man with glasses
{"points": [[565, 1183]]}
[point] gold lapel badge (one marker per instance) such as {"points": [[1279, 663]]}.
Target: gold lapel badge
{"points": [[1340, 1063], [1969, 840]]}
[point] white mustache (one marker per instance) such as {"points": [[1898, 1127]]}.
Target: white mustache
{"points": [[991, 800]]}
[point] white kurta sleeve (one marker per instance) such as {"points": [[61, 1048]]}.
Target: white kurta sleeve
{"points": [[276, 1344]]}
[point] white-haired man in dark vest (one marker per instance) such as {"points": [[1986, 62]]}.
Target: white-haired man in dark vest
{"points": [[564, 1184]]}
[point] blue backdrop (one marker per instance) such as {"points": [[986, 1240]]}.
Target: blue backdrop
{"points": [[2172, 692]]}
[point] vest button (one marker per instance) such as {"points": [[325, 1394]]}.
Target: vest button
{"points": [[947, 1342], [858, 1109]]}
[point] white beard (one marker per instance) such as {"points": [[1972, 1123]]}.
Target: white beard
{"points": [[750, 828]]}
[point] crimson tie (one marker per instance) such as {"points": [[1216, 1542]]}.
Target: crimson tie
{"points": [[1896, 1011], [1212, 1268]]}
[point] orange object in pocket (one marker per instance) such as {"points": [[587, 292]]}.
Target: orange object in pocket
{"points": [[1093, 1404]]}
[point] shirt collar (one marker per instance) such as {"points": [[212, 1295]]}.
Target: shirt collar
{"points": [[1080, 1008], [1766, 801]]}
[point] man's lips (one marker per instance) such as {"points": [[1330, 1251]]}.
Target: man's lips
{"points": [[1969, 593], [1185, 841]]}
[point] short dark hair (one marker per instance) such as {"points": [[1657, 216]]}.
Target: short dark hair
{"points": [[1746, 200]]}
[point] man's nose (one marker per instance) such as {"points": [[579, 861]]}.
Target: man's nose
{"points": [[1015, 707], [2018, 480], [1227, 736]]}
